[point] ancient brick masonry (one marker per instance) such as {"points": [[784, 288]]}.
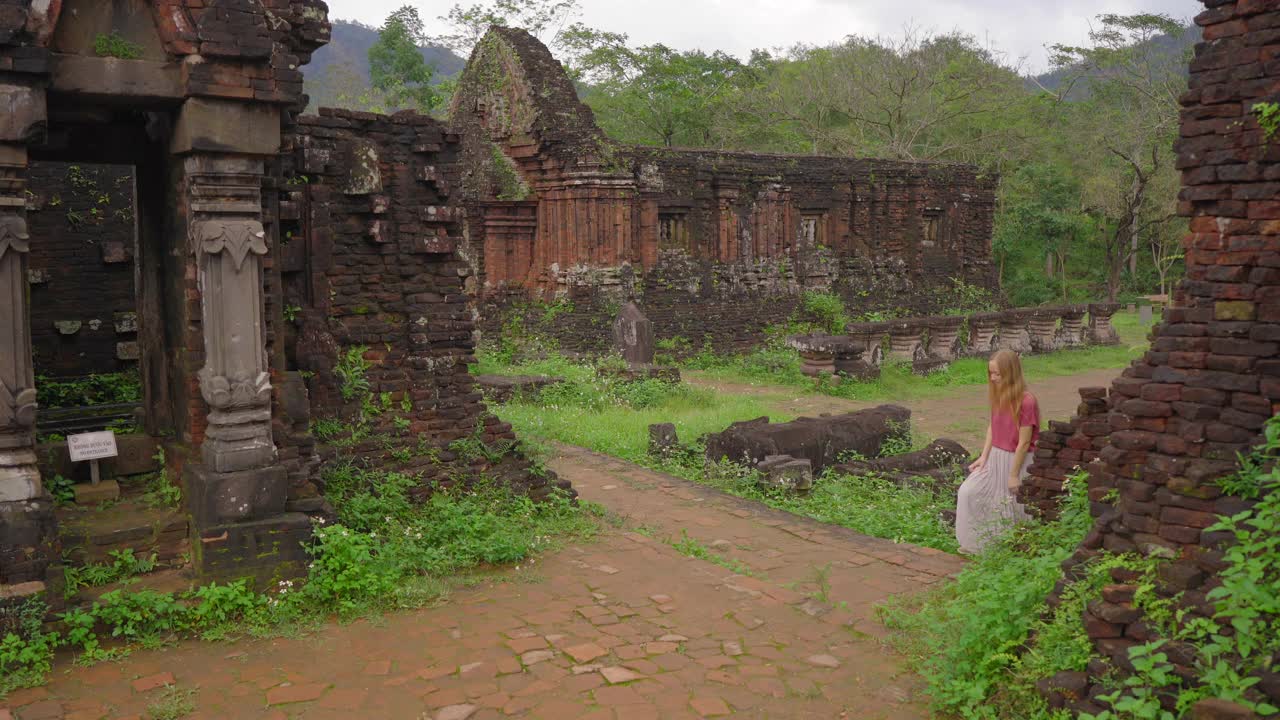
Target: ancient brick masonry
{"points": [[1065, 449], [372, 264], [252, 266], [1201, 394], [83, 311], [556, 209]]}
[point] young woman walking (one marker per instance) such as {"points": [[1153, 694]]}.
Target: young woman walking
{"points": [[987, 502]]}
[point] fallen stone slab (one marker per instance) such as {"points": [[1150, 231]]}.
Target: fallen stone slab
{"points": [[502, 388], [819, 440], [940, 453], [935, 467]]}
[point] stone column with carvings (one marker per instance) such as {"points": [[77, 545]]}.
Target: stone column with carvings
{"points": [[236, 493], [238, 480], [228, 241], [26, 513]]}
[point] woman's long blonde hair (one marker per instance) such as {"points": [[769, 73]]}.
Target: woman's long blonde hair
{"points": [[1007, 395]]}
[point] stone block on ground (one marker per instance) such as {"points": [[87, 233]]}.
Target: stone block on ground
{"points": [[662, 438], [783, 472], [633, 335], [104, 492], [926, 365], [636, 373]]}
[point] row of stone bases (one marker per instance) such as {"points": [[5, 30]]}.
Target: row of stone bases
{"points": [[931, 343]]}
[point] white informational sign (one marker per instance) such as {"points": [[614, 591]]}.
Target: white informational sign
{"points": [[92, 446]]}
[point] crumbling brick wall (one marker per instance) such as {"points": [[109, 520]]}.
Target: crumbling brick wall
{"points": [[371, 263], [1180, 415], [1064, 450], [83, 310], [555, 210]]}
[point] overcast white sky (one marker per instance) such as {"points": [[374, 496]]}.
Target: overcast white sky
{"points": [[1020, 28]]}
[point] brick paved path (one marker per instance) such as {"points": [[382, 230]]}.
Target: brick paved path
{"points": [[624, 627]]}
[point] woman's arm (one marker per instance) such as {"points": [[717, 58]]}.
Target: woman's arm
{"points": [[986, 451], [1019, 455]]}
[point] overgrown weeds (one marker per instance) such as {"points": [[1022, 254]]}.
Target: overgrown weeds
{"points": [[967, 638], [985, 640], [387, 551]]}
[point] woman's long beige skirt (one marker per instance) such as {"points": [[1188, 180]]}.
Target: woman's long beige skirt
{"points": [[984, 507]]}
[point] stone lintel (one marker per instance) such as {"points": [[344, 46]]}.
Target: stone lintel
{"points": [[113, 77], [226, 126]]}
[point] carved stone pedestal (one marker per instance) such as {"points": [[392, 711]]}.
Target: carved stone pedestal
{"points": [[215, 498], [905, 340], [28, 540], [983, 330], [866, 353], [944, 334], [1013, 332], [1101, 332], [266, 550], [1071, 334], [1042, 324], [814, 363]]}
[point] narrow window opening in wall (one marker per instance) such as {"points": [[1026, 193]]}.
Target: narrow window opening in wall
{"points": [[932, 222], [811, 231], [673, 231]]}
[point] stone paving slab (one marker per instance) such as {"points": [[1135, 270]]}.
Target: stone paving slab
{"points": [[624, 627]]}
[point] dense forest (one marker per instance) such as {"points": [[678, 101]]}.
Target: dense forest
{"points": [[1088, 198]]}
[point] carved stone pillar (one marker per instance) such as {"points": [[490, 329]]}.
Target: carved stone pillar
{"points": [[27, 526], [228, 241], [19, 478], [238, 480]]}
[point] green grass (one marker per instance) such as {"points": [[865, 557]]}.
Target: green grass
{"points": [[868, 504], [969, 638], [613, 418], [589, 412]]}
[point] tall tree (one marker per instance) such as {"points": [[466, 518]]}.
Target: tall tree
{"points": [[918, 97], [653, 94], [1127, 126], [396, 66], [1042, 212]]}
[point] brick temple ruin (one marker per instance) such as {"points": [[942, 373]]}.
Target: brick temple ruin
{"points": [[555, 210], [167, 211], [1175, 421]]}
